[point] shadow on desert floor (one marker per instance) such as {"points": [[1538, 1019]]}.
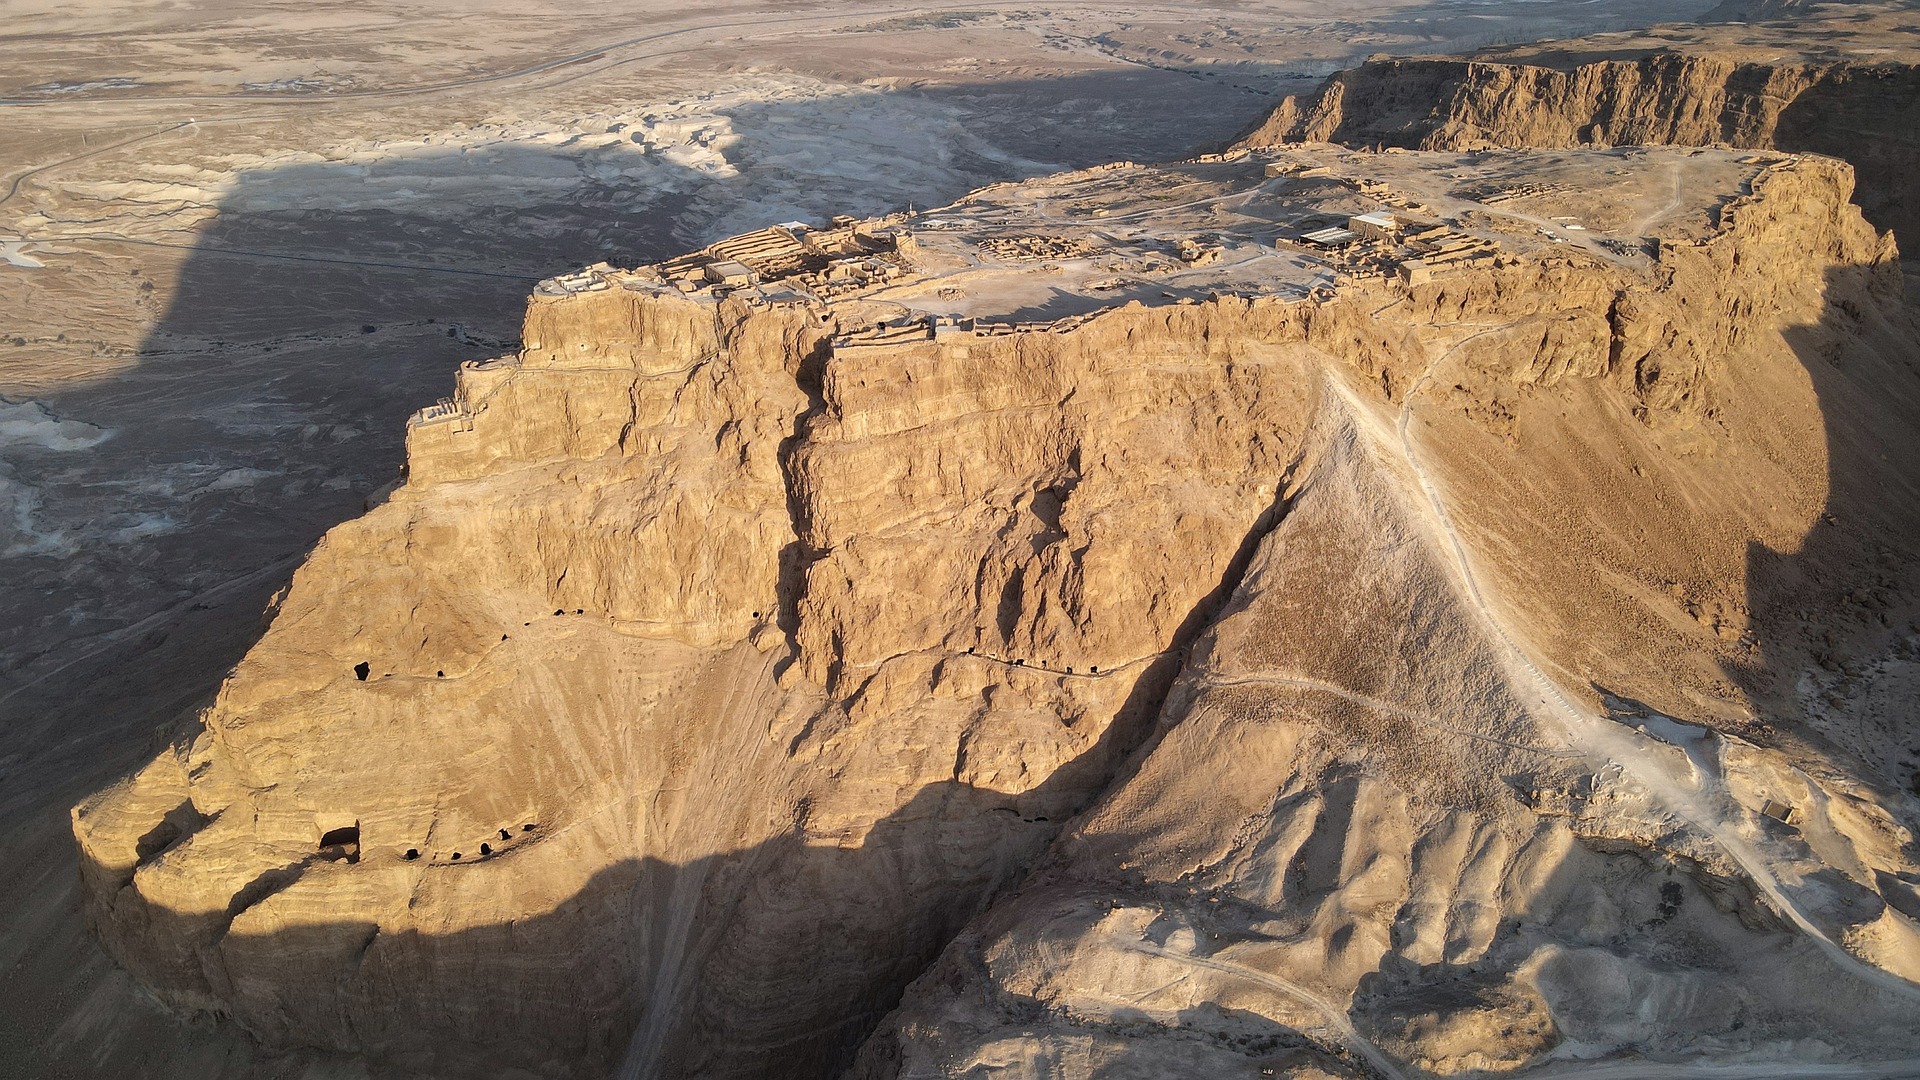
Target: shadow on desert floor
{"points": [[322, 306], [1840, 602], [272, 398]]}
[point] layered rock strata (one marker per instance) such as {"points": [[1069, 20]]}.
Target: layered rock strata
{"points": [[1865, 114], [717, 664], [1403, 815]]}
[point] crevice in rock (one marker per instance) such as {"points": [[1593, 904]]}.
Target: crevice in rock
{"points": [[1150, 696], [182, 821], [1128, 735], [810, 376], [253, 892]]}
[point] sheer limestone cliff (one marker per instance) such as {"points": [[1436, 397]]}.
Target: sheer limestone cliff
{"points": [[723, 657], [1865, 114]]}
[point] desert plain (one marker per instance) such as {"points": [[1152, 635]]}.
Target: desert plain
{"points": [[1048, 617]]}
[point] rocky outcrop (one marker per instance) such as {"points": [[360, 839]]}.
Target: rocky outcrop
{"points": [[1864, 114], [1401, 815], [713, 669], [1363, 846]]}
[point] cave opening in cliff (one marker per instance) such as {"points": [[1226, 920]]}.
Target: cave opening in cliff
{"points": [[361, 669], [342, 843]]}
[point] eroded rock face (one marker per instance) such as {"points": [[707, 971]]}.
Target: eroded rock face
{"points": [[1366, 845], [1402, 815], [1864, 114], [785, 683], [713, 669]]}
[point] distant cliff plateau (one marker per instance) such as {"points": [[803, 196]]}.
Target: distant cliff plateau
{"points": [[1867, 114]]}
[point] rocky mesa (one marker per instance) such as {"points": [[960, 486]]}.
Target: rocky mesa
{"points": [[1433, 623], [1863, 113]]}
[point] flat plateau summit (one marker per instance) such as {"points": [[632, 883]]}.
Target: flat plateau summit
{"points": [[1298, 612]]}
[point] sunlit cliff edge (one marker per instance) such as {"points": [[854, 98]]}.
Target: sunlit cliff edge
{"points": [[1863, 112], [1415, 642]]}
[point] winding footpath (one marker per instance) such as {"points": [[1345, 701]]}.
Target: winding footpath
{"points": [[1331, 1014], [1608, 741]]}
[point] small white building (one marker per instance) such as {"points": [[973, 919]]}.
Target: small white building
{"points": [[732, 275], [1375, 226], [1332, 236]]}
